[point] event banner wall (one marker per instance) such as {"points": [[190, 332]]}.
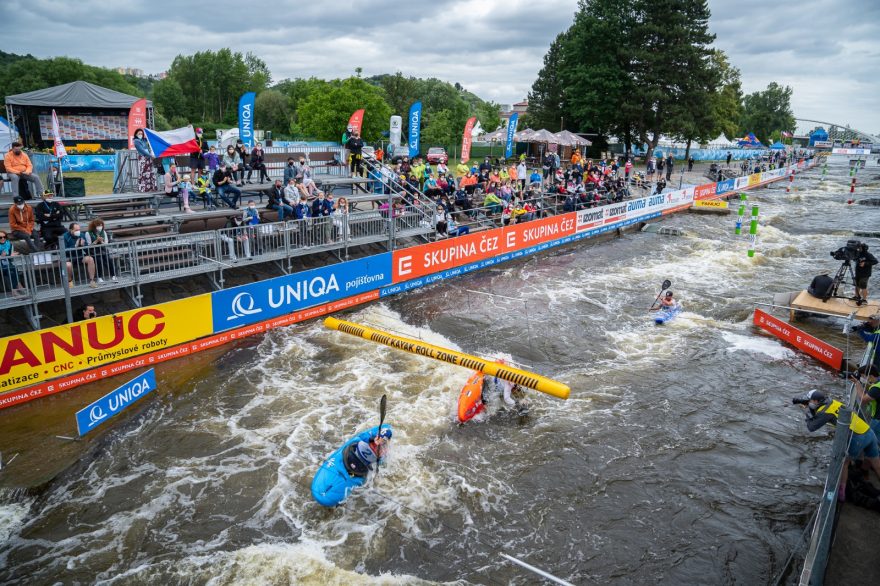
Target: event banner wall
{"points": [[56, 359]]}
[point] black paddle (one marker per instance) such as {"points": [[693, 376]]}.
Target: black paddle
{"points": [[663, 287], [383, 402]]}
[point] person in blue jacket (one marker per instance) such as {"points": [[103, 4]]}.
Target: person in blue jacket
{"points": [[359, 457], [322, 208], [302, 211]]}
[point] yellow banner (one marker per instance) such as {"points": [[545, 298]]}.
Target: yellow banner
{"points": [[710, 203], [754, 179], [30, 358]]}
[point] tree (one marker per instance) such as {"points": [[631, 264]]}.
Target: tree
{"points": [[546, 99], [766, 111], [442, 129], [400, 91], [727, 101], [271, 111], [25, 74], [168, 98], [323, 115]]}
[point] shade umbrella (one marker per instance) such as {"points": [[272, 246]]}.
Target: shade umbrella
{"points": [[523, 135], [495, 136], [543, 136], [573, 139]]}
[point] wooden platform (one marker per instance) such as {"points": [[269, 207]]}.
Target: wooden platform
{"points": [[836, 306]]}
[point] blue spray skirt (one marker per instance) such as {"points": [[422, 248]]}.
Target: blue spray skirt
{"points": [[332, 483], [665, 315]]}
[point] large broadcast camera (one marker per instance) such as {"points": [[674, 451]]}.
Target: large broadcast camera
{"points": [[848, 253]]}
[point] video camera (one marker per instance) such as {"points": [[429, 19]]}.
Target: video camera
{"points": [[800, 401], [849, 252]]}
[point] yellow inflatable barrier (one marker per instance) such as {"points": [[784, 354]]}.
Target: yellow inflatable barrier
{"points": [[523, 378]]}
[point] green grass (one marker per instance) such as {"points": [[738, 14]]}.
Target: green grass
{"points": [[97, 182]]}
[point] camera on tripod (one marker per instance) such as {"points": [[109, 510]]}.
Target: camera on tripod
{"points": [[849, 252]]}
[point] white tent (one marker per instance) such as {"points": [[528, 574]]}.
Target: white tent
{"points": [[722, 142], [6, 136]]}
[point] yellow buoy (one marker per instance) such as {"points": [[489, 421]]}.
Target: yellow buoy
{"points": [[517, 376]]}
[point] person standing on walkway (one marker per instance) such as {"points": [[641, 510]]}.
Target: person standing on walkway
{"points": [[355, 145], [690, 163], [18, 167], [670, 163]]}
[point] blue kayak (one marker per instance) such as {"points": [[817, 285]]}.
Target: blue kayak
{"points": [[665, 315], [333, 483]]}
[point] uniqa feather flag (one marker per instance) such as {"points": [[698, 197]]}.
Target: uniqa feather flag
{"points": [[180, 141]]}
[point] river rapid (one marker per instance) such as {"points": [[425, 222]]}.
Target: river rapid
{"points": [[678, 459]]}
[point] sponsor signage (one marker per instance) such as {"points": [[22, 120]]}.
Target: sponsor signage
{"points": [[741, 182], [725, 186], [434, 257], [711, 203], [839, 151], [33, 357], [247, 304], [705, 191], [823, 144], [115, 402], [800, 339], [754, 179]]}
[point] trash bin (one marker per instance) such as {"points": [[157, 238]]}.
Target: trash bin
{"points": [[74, 187]]}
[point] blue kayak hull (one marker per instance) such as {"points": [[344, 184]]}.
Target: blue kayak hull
{"points": [[665, 315], [332, 483]]}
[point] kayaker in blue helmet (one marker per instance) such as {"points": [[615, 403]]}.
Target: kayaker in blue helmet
{"points": [[359, 457]]}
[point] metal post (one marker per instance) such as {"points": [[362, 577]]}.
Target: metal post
{"points": [[537, 571], [65, 278]]}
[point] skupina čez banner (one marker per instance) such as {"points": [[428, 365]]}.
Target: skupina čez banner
{"points": [[40, 363]]}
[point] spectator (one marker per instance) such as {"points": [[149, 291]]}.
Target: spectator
{"points": [[242, 151], [258, 164], [232, 160], [96, 237], [203, 189], [279, 200], [432, 188], [8, 269], [87, 312], [18, 167], [627, 169], [485, 165], [223, 182], [76, 244], [468, 183], [729, 156], [172, 187], [355, 145], [291, 171], [535, 180], [235, 233], [49, 213], [308, 184], [212, 159], [441, 221], [690, 163], [651, 168], [146, 172], [322, 209], [197, 157], [442, 169], [670, 162], [186, 187], [302, 210], [340, 219], [493, 203], [522, 174], [22, 224]]}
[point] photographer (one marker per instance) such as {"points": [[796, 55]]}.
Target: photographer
{"points": [[863, 443], [88, 312], [864, 264]]}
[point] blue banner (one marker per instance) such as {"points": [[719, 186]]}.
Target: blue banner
{"points": [[263, 300], [725, 186], [511, 130], [415, 129], [246, 119], [115, 402]]}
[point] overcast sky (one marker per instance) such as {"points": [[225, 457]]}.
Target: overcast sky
{"points": [[827, 50]]}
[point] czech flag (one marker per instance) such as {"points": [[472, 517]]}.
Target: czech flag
{"points": [[180, 141]]}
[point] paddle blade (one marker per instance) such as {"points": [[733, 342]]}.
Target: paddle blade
{"points": [[383, 402], [666, 284]]}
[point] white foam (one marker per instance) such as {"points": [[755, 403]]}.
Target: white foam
{"points": [[758, 345]]}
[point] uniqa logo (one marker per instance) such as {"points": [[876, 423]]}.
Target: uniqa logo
{"points": [[96, 415], [238, 306]]}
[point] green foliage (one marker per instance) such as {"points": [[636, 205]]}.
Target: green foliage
{"points": [[271, 111], [546, 108], [766, 111], [443, 130], [19, 74], [324, 114], [727, 101]]}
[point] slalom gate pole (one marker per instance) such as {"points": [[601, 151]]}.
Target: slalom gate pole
{"points": [[753, 231], [517, 376], [743, 198]]}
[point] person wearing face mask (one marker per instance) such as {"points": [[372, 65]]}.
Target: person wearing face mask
{"points": [[232, 160], [22, 224], [146, 172], [323, 209], [77, 249], [250, 217], [48, 214], [11, 279], [104, 264], [290, 171], [242, 151], [18, 167]]}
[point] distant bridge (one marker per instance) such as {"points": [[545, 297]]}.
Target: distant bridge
{"points": [[844, 133]]}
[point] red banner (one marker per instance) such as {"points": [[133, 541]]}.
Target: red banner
{"points": [[356, 120], [137, 118], [822, 351], [705, 191], [466, 139], [538, 231]]}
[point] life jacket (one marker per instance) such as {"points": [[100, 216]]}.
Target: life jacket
{"points": [[857, 424], [872, 404]]}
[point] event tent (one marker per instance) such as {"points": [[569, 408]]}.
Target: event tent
{"points": [[6, 136], [722, 141], [777, 146], [88, 113], [571, 139]]}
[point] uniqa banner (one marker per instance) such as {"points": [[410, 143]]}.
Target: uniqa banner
{"points": [[115, 402], [246, 119], [137, 118], [466, 139], [415, 129], [511, 130]]}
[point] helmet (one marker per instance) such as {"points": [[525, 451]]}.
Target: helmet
{"points": [[816, 395], [365, 453], [669, 293], [386, 432]]}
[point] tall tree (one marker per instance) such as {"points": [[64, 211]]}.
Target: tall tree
{"points": [[400, 91], [323, 115], [271, 111], [547, 97], [727, 101], [768, 110]]}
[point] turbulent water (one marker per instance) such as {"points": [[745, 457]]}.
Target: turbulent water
{"points": [[678, 458]]}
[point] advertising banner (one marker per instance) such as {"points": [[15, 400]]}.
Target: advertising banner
{"points": [[754, 179], [822, 351], [137, 118], [246, 119], [433, 257], [263, 300], [466, 140], [839, 151], [706, 191], [356, 122], [57, 145], [536, 232], [115, 402], [741, 182], [511, 131], [394, 132], [415, 129], [711, 203], [725, 186], [32, 357]]}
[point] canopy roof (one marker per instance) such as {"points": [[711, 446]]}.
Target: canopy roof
{"points": [[722, 141], [777, 146], [76, 94], [567, 138], [541, 136]]}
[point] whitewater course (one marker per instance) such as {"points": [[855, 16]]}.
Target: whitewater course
{"points": [[677, 459]]}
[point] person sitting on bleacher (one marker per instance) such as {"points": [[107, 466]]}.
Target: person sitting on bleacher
{"points": [[49, 213], [22, 224], [258, 164], [18, 167], [278, 198], [232, 160], [468, 183], [202, 188], [224, 184], [302, 210]]}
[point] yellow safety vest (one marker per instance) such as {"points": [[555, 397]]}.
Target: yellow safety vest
{"points": [[857, 425]]}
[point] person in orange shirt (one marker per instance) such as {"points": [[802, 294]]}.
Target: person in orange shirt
{"points": [[511, 174], [21, 223], [18, 166], [468, 183], [576, 157]]}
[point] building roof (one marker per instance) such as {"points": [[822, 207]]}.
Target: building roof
{"points": [[76, 94]]}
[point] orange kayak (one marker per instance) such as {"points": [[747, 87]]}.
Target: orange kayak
{"points": [[470, 401]]}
